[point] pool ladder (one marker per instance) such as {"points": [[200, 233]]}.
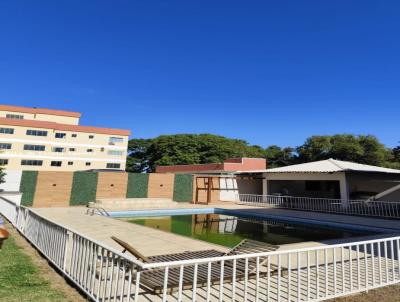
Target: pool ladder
{"points": [[97, 210]]}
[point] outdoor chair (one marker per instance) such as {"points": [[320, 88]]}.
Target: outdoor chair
{"points": [[152, 280]]}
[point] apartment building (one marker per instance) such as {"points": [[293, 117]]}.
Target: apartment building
{"points": [[53, 140]]}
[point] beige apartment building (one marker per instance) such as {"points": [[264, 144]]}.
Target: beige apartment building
{"points": [[53, 140]]}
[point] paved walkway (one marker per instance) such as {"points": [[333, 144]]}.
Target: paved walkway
{"points": [[146, 240]]}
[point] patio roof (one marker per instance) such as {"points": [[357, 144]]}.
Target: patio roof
{"points": [[330, 166]]}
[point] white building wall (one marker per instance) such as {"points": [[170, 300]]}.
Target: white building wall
{"points": [[13, 197], [228, 189], [12, 181]]}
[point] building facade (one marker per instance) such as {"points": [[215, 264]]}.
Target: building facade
{"points": [[53, 140]]}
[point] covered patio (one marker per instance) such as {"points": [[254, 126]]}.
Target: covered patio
{"points": [[333, 179]]}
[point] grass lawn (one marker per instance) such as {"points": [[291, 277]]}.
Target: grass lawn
{"points": [[20, 279]]}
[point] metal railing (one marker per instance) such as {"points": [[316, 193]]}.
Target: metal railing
{"points": [[8, 209], [384, 209], [99, 271], [307, 274]]}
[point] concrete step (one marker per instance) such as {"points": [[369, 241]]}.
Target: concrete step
{"points": [[133, 203]]}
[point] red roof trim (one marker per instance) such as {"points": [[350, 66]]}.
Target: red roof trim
{"points": [[40, 111], [63, 127]]}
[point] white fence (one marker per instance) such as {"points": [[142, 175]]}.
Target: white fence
{"points": [[383, 209], [309, 274], [8, 209]]}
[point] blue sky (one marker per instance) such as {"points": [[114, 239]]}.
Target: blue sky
{"points": [[270, 72]]}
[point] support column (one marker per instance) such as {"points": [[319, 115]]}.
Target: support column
{"points": [[344, 190], [264, 185], [209, 188]]}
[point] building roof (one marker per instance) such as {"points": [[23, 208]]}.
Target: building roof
{"points": [[330, 166], [34, 110], [62, 127]]}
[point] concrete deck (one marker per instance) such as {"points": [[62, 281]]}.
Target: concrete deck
{"points": [[146, 240]]}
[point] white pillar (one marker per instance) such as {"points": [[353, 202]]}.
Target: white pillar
{"points": [[264, 185], [344, 190]]}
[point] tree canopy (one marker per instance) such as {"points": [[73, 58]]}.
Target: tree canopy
{"points": [[364, 149], [183, 149], [146, 154]]}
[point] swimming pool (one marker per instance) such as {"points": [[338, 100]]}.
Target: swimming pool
{"points": [[229, 230]]}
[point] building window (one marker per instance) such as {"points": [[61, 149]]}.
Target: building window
{"points": [[4, 146], [31, 162], [113, 166], [115, 152], [89, 150], [112, 140], [7, 130], [15, 116], [34, 147], [60, 135], [91, 136], [74, 135], [36, 132], [102, 149], [56, 163], [70, 163], [3, 162], [72, 149], [58, 149], [88, 163]]}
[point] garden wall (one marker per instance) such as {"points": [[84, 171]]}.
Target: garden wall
{"points": [[59, 189]]}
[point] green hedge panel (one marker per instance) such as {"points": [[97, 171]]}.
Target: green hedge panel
{"points": [[84, 187], [183, 187], [137, 185], [28, 187]]}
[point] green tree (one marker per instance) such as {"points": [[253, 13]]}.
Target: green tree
{"points": [[345, 147], [182, 149], [278, 157], [137, 160], [365, 149], [315, 148], [146, 154], [393, 158], [2, 175], [396, 153], [374, 153]]}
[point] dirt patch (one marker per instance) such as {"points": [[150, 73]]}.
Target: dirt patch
{"points": [[47, 272]]}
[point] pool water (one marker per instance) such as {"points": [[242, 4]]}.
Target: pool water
{"points": [[230, 230]]}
